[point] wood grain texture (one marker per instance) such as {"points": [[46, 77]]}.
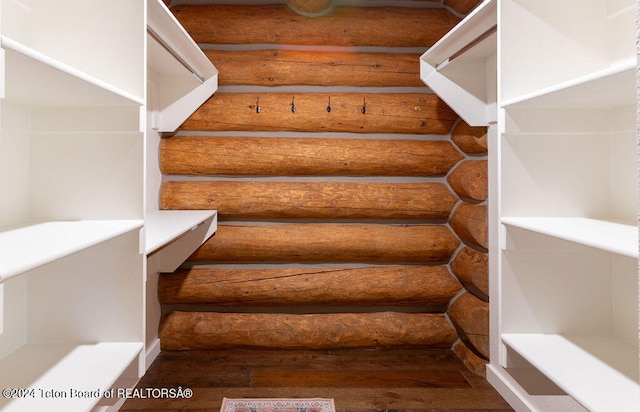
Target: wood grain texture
{"points": [[344, 26], [356, 378], [329, 243], [469, 180], [471, 267], [470, 359], [315, 68], [462, 6], [471, 140], [470, 222], [414, 113], [385, 382], [319, 200], [431, 286], [233, 155], [470, 315], [211, 330]]}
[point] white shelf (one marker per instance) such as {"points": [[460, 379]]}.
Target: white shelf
{"points": [[609, 236], [25, 248], [605, 88], [39, 80], [164, 226], [178, 66], [457, 67], [63, 368], [599, 372]]}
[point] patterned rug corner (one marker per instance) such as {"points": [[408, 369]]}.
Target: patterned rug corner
{"points": [[277, 405]]}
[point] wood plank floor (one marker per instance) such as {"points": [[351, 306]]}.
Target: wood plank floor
{"points": [[396, 380]]}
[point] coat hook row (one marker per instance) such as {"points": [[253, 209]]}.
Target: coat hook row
{"points": [[258, 108]]}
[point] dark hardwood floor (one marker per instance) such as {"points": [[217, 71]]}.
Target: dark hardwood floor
{"points": [[358, 380]]}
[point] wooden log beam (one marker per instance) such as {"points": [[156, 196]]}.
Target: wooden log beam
{"points": [[211, 330], [315, 68], [319, 200], [472, 269], [470, 359], [430, 286], [232, 155], [470, 222], [469, 180], [329, 243], [472, 140], [311, 7], [414, 113], [470, 316], [344, 26]]}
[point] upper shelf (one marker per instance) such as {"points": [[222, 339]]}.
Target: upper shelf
{"points": [[39, 80], [461, 66], [605, 88], [175, 60]]}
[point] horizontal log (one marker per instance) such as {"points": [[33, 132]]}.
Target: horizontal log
{"points": [[472, 269], [329, 243], [470, 222], [210, 330], [344, 26], [472, 140], [470, 359], [469, 180], [414, 113], [470, 315], [319, 200], [431, 286], [311, 7], [315, 68], [305, 156]]}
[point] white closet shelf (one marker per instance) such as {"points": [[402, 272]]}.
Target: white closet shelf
{"points": [[40, 80], [605, 88], [599, 372], [164, 226], [28, 247], [609, 236], [456, 66], [61, 369]]}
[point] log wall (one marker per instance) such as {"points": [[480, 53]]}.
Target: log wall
{"points": [[341, 183]]}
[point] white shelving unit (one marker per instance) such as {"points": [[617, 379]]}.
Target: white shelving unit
{"points": [[79, 216], [566, 177], [563, 198]]}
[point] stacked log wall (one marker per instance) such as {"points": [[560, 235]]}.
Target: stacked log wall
{"points": [[343, 158]]}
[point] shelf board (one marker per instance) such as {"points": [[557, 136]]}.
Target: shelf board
{"points": [[165, 226], [63, 368], [40, 80], [609, 236], [28, 247], [601, 373], [455, 67], [610, 87]]}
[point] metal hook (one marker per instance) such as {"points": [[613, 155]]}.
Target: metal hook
{"points": [[258, 108], [364, 106], [293, 104], [329, 105]]}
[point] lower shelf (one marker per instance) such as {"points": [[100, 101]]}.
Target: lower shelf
{"points": [[601, 373], [62, 377], [610, 236]]}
